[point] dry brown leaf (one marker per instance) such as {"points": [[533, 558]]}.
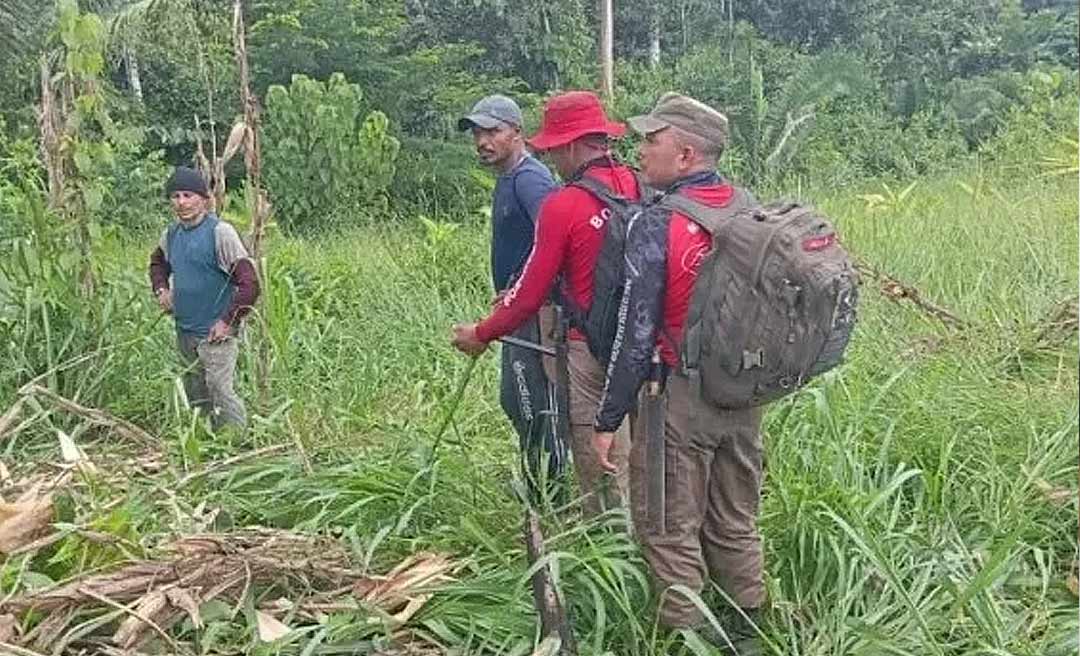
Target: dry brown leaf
{"points": [[69, 451], [411, 577], [1073, 584], [23, 522], [270, 629], [236, 139], [9, 628], [181, 598], [414, 604], [1059, 496], [73, 453], [134, 625]]}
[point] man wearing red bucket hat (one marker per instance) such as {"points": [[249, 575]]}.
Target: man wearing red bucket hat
{"points": [[570, 230]]}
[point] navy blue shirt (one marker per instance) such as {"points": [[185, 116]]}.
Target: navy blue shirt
{"points": [[518, 195]]}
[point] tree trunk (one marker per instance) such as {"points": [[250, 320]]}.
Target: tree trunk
{"points": [[551, 66], [131, 63], [607, 49], [654, 33], [49, 125], [257, 201], [683, 25], [731, 32]]}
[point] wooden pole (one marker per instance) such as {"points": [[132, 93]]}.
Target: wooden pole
{"points": [[257, 202], [607, 49]]}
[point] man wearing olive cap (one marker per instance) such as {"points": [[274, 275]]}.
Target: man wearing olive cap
{"points": [[713, 457]]}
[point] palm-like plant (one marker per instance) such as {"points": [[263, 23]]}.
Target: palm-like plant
{"points": [[23, 26], [126, 22], [772, 129]]}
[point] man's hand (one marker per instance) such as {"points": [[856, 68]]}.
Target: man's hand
{"points": [[218, 332], [164, 299], [601, 443], [465, 339]]}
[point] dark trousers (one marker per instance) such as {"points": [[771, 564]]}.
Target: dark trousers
{"points": [[528, 398]]}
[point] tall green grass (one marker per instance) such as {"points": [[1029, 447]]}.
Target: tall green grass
{"points": [[904, 508]]}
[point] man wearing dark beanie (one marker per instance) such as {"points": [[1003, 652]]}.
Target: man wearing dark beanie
{"points": [[202, 275]]}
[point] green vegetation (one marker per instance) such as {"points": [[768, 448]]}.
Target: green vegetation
{"points": [[920, 500], [913, 500]]}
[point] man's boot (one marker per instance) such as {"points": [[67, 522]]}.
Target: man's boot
{"points": [[742, 638]]}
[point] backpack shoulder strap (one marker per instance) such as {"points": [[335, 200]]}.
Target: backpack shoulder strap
{"points": [[646, 193], [214, 223], [710, 218], [600, 190]]}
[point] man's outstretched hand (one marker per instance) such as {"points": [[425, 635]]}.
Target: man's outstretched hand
{"points": [[465, 339]]}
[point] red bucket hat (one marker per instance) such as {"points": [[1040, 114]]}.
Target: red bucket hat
{"points": [[569, 116]]}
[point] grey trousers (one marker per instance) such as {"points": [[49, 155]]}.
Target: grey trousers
{"points": [[208, 378]]}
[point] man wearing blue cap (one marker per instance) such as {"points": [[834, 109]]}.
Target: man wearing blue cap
{"points": [[523, 182], [525, 394]]}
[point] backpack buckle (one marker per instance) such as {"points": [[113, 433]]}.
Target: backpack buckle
{"points": [[751, 359]]}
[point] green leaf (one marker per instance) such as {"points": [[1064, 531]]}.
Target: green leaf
{"points": [[94, 199], [84, 164]]}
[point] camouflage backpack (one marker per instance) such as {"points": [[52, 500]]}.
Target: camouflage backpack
{"points": [[773, 304]]}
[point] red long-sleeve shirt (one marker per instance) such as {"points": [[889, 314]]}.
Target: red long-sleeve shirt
{"points": [[688, 244], [569, 234], [664, 254]]}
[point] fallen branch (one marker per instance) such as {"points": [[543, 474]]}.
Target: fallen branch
{"points": [[123, 427], [897, 291], [156, 594]]}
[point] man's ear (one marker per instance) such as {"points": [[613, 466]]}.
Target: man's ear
{"points": [[687, 155]]}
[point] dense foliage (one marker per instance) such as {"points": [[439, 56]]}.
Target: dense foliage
{"points": [[919, 500], [821, 93]]}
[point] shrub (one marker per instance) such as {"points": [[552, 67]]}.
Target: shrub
{"points": [[440, 178], [1036, 126], [323, 160], [855, 139], [134, 188]]}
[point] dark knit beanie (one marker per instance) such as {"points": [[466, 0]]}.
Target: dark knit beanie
{"points": [[185, 179]]}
